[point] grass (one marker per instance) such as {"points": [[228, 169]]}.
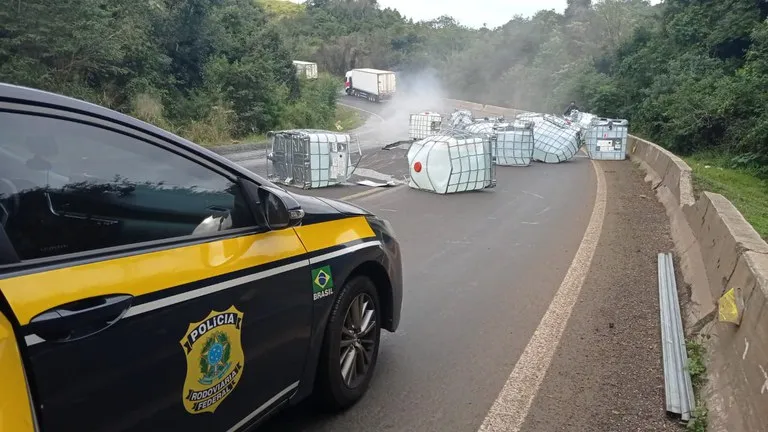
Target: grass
{"points": [[698, 369], [749, 193], [347, 118]]}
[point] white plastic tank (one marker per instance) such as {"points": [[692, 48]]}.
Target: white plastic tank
{"points": [[607, 139], [513, 143], [460, 119], [424, 124], [554, 140], [309, 158], [454, 161], [481, 128]]}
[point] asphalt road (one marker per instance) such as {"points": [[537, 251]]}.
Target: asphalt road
{"points": [[480, 270]]}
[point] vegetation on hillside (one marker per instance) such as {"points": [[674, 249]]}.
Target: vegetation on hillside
{"points": [[689, 74]]}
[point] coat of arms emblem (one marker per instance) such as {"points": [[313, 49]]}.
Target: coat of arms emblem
{"points": [[214, 360]]}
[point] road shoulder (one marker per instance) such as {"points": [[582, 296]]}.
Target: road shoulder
{"points": [[607, 371]]}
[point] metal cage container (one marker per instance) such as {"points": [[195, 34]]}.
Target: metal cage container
{"points": [[310, 158], [607, 139], [554, 140], [460, 119], [454, 161], [424, 125], [513, 143], [481, 127]]}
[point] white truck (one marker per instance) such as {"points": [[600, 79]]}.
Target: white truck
{"points": [[372, 84]]}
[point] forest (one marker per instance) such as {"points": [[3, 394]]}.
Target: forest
{"points": [[689, 74]]}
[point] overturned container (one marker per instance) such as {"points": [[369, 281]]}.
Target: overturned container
{"points": [[309, 158], [554, 139], [513, 143], [424, 125], [482, 127], [454, 161], [460, 119], [607, 139]]}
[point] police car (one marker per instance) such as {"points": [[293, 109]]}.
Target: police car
{"points": [[148, 284]]}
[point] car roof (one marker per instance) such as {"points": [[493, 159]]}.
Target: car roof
{"points": [[30, 96]]}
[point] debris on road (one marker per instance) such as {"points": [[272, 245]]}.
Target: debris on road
{"points": [[454, 161], [678, 389], [606, 139], [371, 183], [309, 158]]}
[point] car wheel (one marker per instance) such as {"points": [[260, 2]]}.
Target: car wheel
{"points": [[351, 345]]}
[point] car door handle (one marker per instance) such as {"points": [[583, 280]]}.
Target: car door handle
{"points": [[79, 319]]}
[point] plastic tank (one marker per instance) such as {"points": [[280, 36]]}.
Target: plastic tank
{"points": [[513, 143], [607, 139], [481, 128], [554, 140], [309, 158], [424, 125], [460, 119], [454, 161]]}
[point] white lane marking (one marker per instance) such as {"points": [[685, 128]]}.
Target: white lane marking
{"points": [[529, 223], [543, 211], [533, 194], [511, 407], [360, 109]]}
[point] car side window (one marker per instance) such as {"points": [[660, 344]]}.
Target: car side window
{"points": [[67, 187]]}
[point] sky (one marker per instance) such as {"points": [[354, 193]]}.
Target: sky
{"points": [[473, 13]]}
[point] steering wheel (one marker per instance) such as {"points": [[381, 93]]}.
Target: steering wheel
{"points": [[7, 188]]}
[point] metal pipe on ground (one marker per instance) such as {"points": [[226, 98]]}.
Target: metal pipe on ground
{"points": [[678, 389]]}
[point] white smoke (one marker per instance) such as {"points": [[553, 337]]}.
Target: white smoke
{"points": [[416, 92]]}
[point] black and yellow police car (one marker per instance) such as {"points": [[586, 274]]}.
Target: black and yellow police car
{"points": [[148, 284]]}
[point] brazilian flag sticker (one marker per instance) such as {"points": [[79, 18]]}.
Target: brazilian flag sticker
{"points": [[322, 282]]}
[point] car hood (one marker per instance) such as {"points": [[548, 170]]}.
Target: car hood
{"points": [[318, 209]]}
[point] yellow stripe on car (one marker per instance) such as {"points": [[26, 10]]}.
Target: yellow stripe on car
{"points": [[136, 275], [328, 234], [15, 409], [32, 294]]}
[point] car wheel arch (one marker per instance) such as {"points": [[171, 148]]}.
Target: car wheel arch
{"points": [[376, 272]]}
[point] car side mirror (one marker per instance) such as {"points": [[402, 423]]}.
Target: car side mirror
{"points": [[275, 208]]}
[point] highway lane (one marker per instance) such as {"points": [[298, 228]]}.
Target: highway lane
{"points": [[480, 270]]}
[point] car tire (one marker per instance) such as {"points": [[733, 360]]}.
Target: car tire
{"points": [[336, 390]]}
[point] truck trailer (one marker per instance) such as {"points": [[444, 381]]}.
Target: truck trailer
{"points": [[306, 69], [372, 84]]}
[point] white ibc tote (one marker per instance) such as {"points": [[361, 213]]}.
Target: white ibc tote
{"points": [[460, 119], [454, 161], [607, 139], [513, 143], [424, 124], [481, 128], [554, 140], [310, 158]]}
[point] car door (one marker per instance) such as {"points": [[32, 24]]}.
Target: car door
{"points": [[148, 295]]}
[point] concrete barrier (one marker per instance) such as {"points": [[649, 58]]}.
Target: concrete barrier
{"points": [[719, 250], [733, 256], [669, 170]]}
